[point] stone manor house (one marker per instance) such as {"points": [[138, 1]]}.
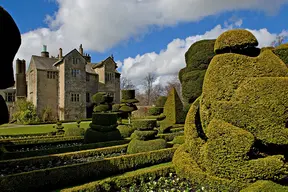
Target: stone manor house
{"points": [[64, 84]]}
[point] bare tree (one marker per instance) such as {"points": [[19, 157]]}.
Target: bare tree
{"points": [[279, 40], [157, 90], [173, 82], [126, 83], [148, 86]]}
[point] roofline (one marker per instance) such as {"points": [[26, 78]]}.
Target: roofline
{"points": [[58, 62], [102, 63]]}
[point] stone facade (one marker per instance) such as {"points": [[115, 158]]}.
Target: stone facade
{"points": [[66, 84]]}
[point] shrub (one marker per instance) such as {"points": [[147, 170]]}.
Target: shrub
{"points": [[25, 112], [144, 124], [116, 107], [155, 110], [160, 102], [173, 109], [104, 118], [126, 130], [74, 131], [128, 94], [145, 135], [137, 146], [233, 40], [178, 140], [93, 136]]}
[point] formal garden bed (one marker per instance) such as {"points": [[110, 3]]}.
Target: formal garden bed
{"points": [[9, 167]]}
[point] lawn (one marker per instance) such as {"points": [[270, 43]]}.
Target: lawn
{"points": [[30, 129]]}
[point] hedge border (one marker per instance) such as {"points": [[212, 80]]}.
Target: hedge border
{"points": [[129, 178], [17, 155], [170, 136], [59, 177]]}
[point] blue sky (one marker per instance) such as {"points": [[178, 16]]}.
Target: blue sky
{"points": [[150, 44]]}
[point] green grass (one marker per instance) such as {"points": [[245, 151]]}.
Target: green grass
{"points": [[30, 129]]}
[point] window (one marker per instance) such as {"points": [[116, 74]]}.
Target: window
{"points": [[109, 76], [51, 74], [87, 77], [88, 97], [75, 60], [75, 72], [9, 97], [75, 97]]}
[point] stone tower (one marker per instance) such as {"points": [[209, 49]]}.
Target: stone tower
{"points": [[21, 86]]}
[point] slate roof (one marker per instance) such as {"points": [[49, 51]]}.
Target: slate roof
{"points": [[44, 63]]}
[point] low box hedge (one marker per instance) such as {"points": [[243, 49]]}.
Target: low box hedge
{"points": [[54, 122], [71, 175], [65, 156], [127, 179], [179, 129], [24, 135], [170, 136], [17, 155], [23, 139]]}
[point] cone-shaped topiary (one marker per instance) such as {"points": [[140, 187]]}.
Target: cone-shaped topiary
{"points": [[236, 132], [127, 102], [144, 137], [173, 108]]}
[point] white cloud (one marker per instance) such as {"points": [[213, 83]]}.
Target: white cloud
{"points": [[170, 60], [102, 24]]}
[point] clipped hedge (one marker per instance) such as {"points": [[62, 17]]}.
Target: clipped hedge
{"points": [[54, 122], [127, 179], [178, 140], [155, 110], [59, 177], [63, 157], [170, 136], [138, 146], [145, 135], [126, 130], [144, 124], [17, 155], [104, 118], [23, 139], [50, 140], [92, 135], [74, 131], [282, 52], [235, 68], [102, 128], [234, 39], [160, 102]]}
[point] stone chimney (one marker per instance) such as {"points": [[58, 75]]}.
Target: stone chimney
{"points": [[21, 86], [81, 50], [60, 53], [44, 52]]}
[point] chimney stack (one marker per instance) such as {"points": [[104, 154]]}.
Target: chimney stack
{"points": [[21, 86], [44, 52], [81, 49], [60, 53]]}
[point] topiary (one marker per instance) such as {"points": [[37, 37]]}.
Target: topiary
{"points": [[282, 52], [126, 130], [144, 124], [173, 109], [197, 60], [234, 40], [235, 132], [128, 100]]}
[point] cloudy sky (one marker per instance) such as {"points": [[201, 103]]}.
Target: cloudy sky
{"points": [[143, 35]]}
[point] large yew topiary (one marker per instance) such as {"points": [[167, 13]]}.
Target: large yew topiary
{"points": [[282, 52], [235, 133], [197, 60]]}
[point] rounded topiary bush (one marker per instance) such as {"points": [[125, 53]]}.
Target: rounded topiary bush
{"points": [[161, 117], [234, 39], [116, 107], [144, 124], [74, 131], [126, 130], [200, 54], [99, 98], [155, 110], [145, 135], [92, 136], [138, 146]]}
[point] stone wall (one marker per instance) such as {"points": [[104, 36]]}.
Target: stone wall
{"points": [[47, 93], [75, 85]]}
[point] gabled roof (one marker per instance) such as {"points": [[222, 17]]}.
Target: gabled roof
{"points": [[101, 63], [44, 63], [59, 61], [89, 69]]}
